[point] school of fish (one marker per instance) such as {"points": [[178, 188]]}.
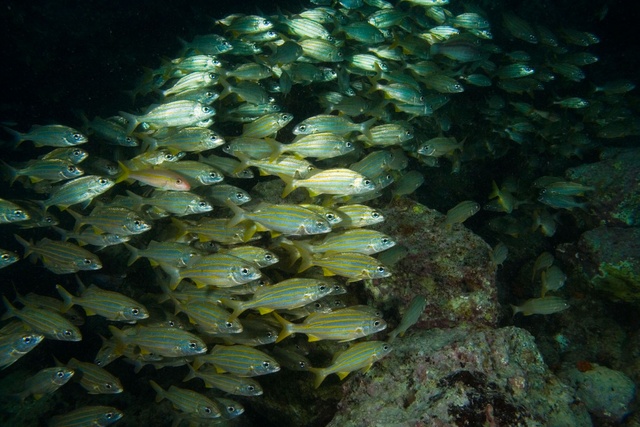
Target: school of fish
{"points": [[340, 104]]}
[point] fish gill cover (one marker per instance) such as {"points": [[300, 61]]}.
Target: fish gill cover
{"points": [[251, 164]]}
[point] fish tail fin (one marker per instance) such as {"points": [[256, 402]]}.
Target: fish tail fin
{"points": [[66, 297], [11, 172], [306, 255], [244, 162], [148, 143], [61, 232], [159, 390], [290, 184], [133, 121], [135, 254], [237, 306], [174, 277], [238, 214], [11, 310], [180, 227], [287, 327], [28, 245], [125, 172], [18, 137], [515, 309], [277, 148], [80, 220], [191, 375], [118, 334], [320, 376], [365, 126]]}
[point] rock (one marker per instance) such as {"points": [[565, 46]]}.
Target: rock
{"points": [[608, 257], [451, 267], [616, 177], [460, 377], [606, 393]]}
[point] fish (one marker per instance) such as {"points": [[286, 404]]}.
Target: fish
{"points": [[461, 212], [89, 237], [288, 294], [50, 136], [173, 254], [15, 345], [112, 219], [411, 316], [229, 383], [108, 304], [163, 341], [544, 305], [242, 360], [51, 170], [339, 181], [209, 317], [285, 219], [43, 322], [553, 278], [45, 381], [101, 416], [342, 325], [359, 356], [7, 258], [357, 215], [79, 190], [11, 212], [187, 401], [94, 379], [159, 178], [221, 270], [180, 113], [61, 257]]}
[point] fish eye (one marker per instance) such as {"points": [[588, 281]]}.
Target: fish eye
{"points": [[137, 223], [244, 271], [135, 311], [302, 128], [421, 99], [5, 256], [268, 257], [67, 333], [250, 388], [239, 196], [77, 152], [87, 261], [330, 216], [108, 415], [213, 76], [71, 168], [228, 324], [60, 374], [375, 215], [319, 224], [206, 110], [178, 181], [102, 181], [207, 410], [213, 175], [26, 340], [331, 39], [348, 144], [367, 182], [385, 240], [269, 334], [193, 344], [322, 287], [108, 386], [168, 157], [266, 364], [171, 323], [376, 323], [202, 204], [48, 219], [302, 364], [380, 269], [408, 132], [317, 305], [77, 136], [231, 409], [18, 212], [129, 139], [386, 347]]}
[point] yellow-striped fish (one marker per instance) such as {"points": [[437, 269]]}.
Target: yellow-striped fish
{"points": [[102, 416], [359, 356], [188, 401], [108, 304], [94, 379], [48, 323], [339, 181], [342, 325], [163, 341]]}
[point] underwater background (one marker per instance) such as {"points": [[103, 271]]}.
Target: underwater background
{"points": [[469, 359]]}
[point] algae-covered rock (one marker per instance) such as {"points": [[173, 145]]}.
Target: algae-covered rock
{"points": [[617, 178], [449, 265], [608, 257], [606, 393], [461, 377]]}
